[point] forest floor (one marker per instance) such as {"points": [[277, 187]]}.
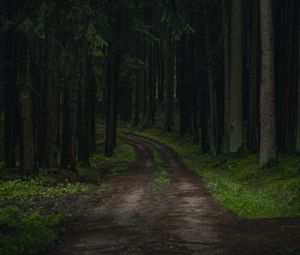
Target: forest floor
{"points": [[159, 206]]}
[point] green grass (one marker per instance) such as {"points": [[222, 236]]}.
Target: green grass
{"points": [[160, 174], [122, 158], [19, 190], [236, 181], [27, 232], [30, 232]]}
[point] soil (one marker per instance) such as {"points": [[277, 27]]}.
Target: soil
{"points": [[140, 215]]}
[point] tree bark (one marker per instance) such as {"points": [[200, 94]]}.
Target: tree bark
{"points": [[227, 65], [11, 96], [268, 145], [52, 97], [236, 78], [27, 141], [84, 110], [136, 116], [70, 114], [212, 90], [110, 97], [253, 107], [169, 102], [298, 92]]}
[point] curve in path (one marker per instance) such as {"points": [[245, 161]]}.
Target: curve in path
{"points": [[141, 215]]}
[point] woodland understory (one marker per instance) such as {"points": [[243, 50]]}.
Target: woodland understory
{"points": [[230, 69]]}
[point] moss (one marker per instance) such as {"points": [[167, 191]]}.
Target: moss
{"points": [[236, 181]]}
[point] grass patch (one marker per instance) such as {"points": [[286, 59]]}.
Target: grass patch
{"points": [[19, 190], [161, 177], [160, 174], [31, 232], [236, 180], [122, 158], [27, 232]]}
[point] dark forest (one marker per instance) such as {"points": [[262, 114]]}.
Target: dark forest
{"points": [[150, 127]]}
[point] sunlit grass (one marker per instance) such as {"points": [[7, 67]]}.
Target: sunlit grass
{"points": [[22, 190]]}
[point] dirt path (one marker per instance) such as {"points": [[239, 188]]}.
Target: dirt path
{"points": [[151, 212]]}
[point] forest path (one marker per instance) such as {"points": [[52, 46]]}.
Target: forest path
{"points": [[157, 207]]}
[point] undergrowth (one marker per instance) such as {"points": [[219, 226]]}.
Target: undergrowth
{"points": [[24, 231], [22, 190], [122, 158], [27, 232], [236, 180]]}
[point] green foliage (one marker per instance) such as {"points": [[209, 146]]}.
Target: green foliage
{"points": [[27, 232], [96, 41], [175, 21], [236, 180], [42, 187], [146, 31]]}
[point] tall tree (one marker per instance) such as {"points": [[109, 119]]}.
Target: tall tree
{"points": [[27, 142], [11, 94], [254, 74], [213, 117], [268, 145], [226, 30], [169, 95], [52, 91], [236, 77], [298, 92]]}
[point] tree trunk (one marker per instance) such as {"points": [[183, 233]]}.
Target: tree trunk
{"points": [[27, 142], [268, 145], [253, 107], [52, 97], [84, 111], [70, 117], [227, 65], [169, 103], [298, 92], [212, 90], [136, 117], [11, 96], [236, 78], [110, 97]]}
